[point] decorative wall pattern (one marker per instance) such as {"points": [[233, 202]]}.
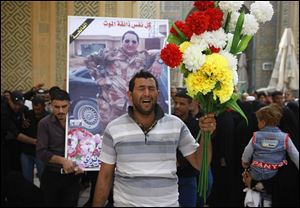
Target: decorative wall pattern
{"points": [[61, 43], [86, 8], [110, 9], [148, 9], [16, 45], [17, 30]]}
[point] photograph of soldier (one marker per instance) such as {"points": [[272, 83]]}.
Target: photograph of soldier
{"points": [[113, 68]]}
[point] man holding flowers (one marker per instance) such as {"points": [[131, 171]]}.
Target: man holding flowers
{"points": [[139, 150], [204, 47]]}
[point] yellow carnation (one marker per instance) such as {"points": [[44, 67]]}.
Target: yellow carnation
{"points": [[215, 70], [198, 82], [183, 46]]}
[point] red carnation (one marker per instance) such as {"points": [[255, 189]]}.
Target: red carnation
{"points": [[217, 17], [214, 50], [204, 5], [171, 55], [183, 28], [198, 22], [180, 25]]}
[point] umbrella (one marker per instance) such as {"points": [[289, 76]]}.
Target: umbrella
{"points": [[242, 73], [285, 74]]}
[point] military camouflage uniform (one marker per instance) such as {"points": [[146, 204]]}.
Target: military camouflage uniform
{"points": [[112, 70]]}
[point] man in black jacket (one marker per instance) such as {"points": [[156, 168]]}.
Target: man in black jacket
{"points": [[11, 119]]}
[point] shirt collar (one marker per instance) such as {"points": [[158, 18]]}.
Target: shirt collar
{"points": [[159, 113], [54, 119]]}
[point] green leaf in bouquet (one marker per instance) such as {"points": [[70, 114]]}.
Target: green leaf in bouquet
{"points": [[182, 37], [174, 39], [218, 86], [200, 98], [237, 33], [235, 96], [216, 4], [244, 43], [220, 110], [183, 70], [235, 107], [207, 51], [226, 27]]}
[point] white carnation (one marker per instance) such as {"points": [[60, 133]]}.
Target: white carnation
{"points": [[230, 6], [198, 40], [233, 20], [193, 57], [216, 38], [235, 77], [262, 11], [232, 60], [250, 25]]}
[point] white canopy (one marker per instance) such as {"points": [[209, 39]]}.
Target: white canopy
{"points": [[285, 74]]}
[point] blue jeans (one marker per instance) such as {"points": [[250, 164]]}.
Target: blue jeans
{"points": [[187, 188], [210, 183], [27, 163]]}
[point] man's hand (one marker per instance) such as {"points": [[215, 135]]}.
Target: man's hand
{"points": [[68, 166], [245, 164], [208, 123], [25, 123], [78, 170], [247, 178]]}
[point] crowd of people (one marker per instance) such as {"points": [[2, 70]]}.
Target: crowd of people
{"points": [[233, 135], [150, 158]]}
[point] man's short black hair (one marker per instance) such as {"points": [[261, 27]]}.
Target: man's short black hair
{"points": [[53, 89], [259, 94], [141, 74], [17, 96], [7, 91], [276, 93], [60, 95], [38, 100], [182, 92]]}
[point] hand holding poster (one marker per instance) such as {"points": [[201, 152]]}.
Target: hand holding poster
{"points": [[104, 53]]}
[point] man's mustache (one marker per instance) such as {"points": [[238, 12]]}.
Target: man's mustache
{"points": [[61, 114]]}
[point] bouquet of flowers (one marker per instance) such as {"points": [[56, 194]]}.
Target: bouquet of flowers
{"points": [[204, 47]]}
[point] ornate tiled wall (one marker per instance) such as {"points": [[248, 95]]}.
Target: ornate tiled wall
{"points": [[17, 49], [110, 9], [81, 8], [16, 45], [148, 9], [86, 8], [61, 43]]}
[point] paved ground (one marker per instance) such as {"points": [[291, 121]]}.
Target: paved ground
{"points": [[84, 196]]}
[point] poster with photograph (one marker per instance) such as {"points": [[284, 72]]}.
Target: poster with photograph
{"points": [[103, 55]]}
